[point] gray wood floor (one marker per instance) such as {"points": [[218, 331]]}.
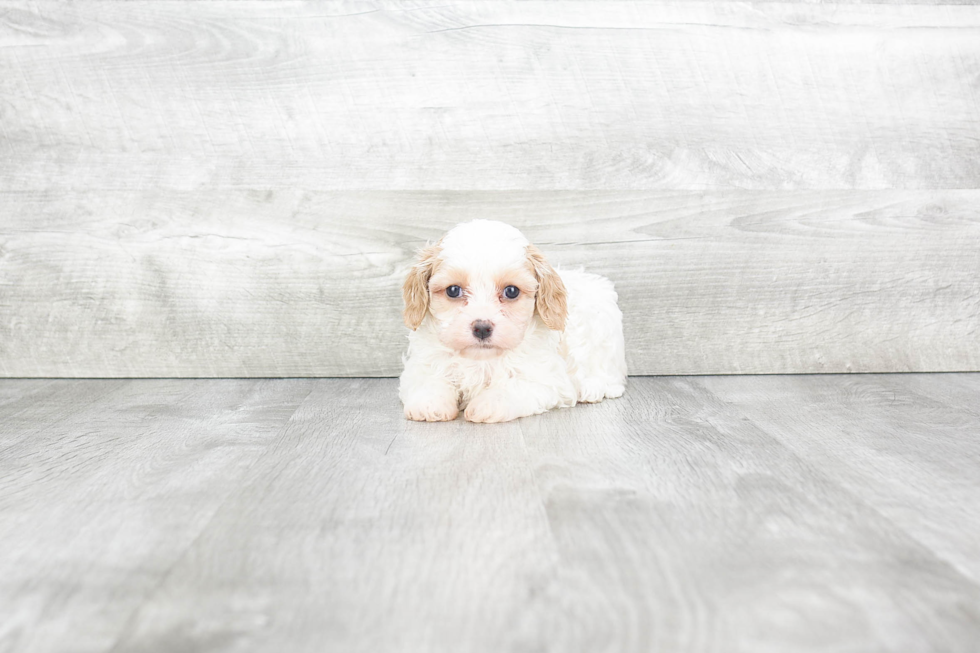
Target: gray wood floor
{"points": [[793, 513]]}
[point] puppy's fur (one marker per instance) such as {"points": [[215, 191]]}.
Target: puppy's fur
{"points": [[559, 341]]}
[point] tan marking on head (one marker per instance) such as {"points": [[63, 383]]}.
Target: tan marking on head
{"points": [[522, 277], [445, 276], [415, 290], [551, 301], [441, 303]]}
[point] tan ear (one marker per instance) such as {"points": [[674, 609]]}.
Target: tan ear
{"points": [[415, 290], [551, 302]]}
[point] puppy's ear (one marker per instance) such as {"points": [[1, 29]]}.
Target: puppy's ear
{"points": [[551, 302], [415, 290]]}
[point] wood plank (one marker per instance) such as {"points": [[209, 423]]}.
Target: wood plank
{"points": [[958, 391], [683, 526], [96, 506], [360, 531], [183, 515], [300, 283], [14, 396], [912, 459], [388, 94], [45, 403]]}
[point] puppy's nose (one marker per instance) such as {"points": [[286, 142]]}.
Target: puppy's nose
{"points": [[482, 329]]}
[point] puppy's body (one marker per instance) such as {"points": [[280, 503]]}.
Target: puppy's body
{"points": [[559, 341]]}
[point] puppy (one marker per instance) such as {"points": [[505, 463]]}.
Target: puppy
{"points": [[500, 334]]}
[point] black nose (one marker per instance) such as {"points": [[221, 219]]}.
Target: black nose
{"points": [[482, 329]]}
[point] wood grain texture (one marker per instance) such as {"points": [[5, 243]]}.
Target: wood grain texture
{"points": [[43, 404], [104, 484], [784, 514], [360, 531], [958, 391], [924, 454], [300, 283], [684, 526], [488, 95]]}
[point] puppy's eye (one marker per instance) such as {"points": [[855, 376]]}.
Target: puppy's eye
{"points": [[454, 292], [511, 292]]}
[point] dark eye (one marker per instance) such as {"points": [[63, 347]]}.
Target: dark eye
{"points": [[511, 292], [454, 291]]}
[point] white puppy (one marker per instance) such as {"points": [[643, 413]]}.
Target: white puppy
{"points": [[499, 333]]}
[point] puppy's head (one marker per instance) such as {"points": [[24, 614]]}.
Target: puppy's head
{"points": [[482, 284]]}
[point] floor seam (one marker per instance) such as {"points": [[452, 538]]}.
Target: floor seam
{"points": [[820, 474], [204, 529], [541, 503], [49, 425]]}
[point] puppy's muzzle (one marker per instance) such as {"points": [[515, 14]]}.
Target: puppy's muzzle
{"points": [[482, 329]]}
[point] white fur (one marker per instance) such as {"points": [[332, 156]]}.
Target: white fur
{"points": [[547, 369]]}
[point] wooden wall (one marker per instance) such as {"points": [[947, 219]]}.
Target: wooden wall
{"points": [[198, 188]]}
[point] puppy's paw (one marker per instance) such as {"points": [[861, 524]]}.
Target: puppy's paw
{"points": [[492, 405], [615, 390], [593, 391], [432, 409]]}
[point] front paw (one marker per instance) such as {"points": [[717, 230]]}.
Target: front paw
{"points": [[432, 409], [593, 391], [492, 405]]}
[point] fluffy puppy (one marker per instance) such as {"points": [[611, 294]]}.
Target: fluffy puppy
{"points": [[500, 334]]}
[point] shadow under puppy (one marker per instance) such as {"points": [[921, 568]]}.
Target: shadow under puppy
{"points": [[500, 334]]}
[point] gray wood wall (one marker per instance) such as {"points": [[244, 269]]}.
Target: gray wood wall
{"points": [[198, 188]]}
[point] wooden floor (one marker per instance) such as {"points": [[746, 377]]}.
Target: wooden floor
{"points": [[773, 513]]}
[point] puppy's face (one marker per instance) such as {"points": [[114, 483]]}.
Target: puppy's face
{"points": [[482, 284]]}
